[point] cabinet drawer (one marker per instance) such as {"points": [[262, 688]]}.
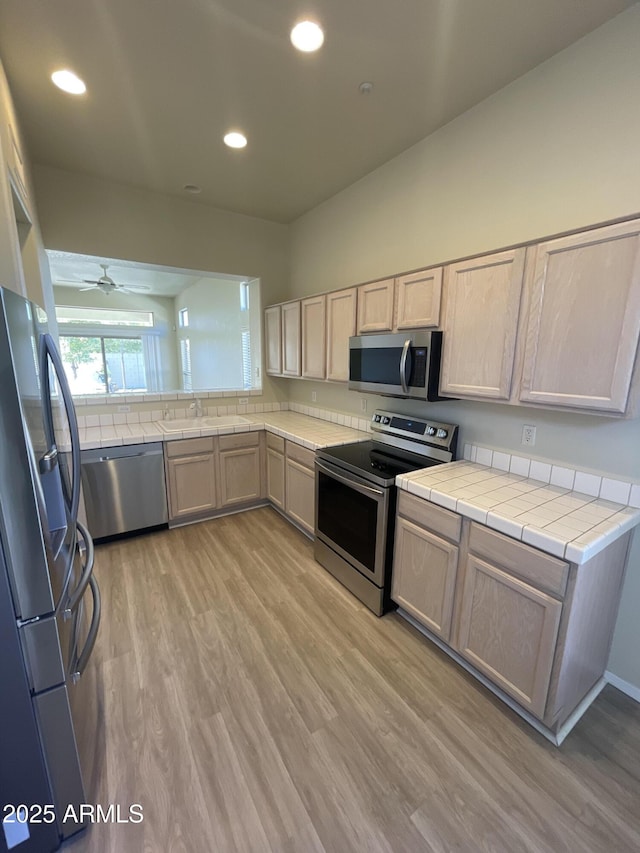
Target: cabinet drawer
{"points": [[242, 439], [189, 446], [301, 454], [441, 521], [275, 442], [535, 566]]}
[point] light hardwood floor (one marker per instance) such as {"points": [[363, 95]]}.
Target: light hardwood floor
{"points": [[251, 704]]}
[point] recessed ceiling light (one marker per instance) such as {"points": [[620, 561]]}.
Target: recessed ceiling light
{"points": [[68, 82], [307, 36], [192, 188], [234, 139]]}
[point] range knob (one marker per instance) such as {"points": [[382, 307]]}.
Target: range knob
{"points": [[442, 433], [386, 420], [431, 430], [377, 418]]}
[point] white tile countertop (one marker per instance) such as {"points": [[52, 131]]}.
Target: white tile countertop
{"points": [[303, 429], [566, 523]]}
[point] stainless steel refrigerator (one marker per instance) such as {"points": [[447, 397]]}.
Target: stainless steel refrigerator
{"points": [[50, 705]]}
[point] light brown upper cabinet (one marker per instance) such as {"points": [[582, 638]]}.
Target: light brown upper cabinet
{"points": [[418, 299], [291, 339], [584, 319], [313, 315], [375, 306], [481, 306], [341, 325], [273, 340]]}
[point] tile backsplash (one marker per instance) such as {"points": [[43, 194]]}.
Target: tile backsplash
{"points": [[620, 491]]}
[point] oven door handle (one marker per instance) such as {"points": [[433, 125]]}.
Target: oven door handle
{"points": [[354, 484]]}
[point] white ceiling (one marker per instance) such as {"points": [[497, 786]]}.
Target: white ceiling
{"points": [[71, 270], [166, 79]]}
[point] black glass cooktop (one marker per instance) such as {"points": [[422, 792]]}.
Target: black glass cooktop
{"points": [[374, 462]]}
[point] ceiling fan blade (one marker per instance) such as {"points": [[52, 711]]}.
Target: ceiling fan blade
{"points": [[90, 281], [82, 289], [134, 287]]}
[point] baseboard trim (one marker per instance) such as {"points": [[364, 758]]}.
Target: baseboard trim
{"points": [[623, 686]]}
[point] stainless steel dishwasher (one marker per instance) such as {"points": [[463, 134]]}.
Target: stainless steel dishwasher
{"points": [[124, 488]]}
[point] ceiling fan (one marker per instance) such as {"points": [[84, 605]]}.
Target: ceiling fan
{"points": [[107, 285]]}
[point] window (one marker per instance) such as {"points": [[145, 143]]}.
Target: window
{"points": [[244, 296], [103, 364], [183, 318], [246, 359], [103, 316], [185, 358]]}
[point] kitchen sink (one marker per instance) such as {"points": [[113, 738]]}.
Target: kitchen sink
{"points": [[181, 424]]}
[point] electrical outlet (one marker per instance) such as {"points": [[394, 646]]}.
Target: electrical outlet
{"points": [[124, 409], [363, 404], [314, 396], [528, 435], [242, 401]]}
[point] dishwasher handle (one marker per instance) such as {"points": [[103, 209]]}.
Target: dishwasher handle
{"points": [[128, 456]]}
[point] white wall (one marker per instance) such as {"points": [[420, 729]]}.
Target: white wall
{"points": [[556, 150], [214, 333]]}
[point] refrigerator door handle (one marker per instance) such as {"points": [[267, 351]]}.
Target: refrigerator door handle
{"points": [[49, 351], [76, 596], [80, 663]]}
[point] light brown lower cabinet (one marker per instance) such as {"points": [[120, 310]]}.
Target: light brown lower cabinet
{"points": [[424, 576], [240, 462], [508, 630], [191, 477], [538, 627], [275, 477], [300, 486], [206, 475]]}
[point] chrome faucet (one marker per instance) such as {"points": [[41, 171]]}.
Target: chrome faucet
{"points": [[196, 407]]}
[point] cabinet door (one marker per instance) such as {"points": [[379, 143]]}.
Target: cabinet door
{"points": [[341, 325], [313, 316], [192, 484], [584, 319], [508, 631], [481, 306], [239, 476], [273, 340], [418, 299], [424, 576], [291, 339], [301, 494], [375, 306], [275, 477]]}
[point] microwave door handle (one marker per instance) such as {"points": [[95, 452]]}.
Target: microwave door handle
{"points": [[403, 366]]}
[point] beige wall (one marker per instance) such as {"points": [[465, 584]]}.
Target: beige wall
{"points": [[553, 151], [82, 214]]}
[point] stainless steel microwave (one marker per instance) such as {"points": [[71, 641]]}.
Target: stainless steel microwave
{"points": [[396, 365]]}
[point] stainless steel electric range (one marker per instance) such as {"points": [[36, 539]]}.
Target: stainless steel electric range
{"points": [[356, 499]]}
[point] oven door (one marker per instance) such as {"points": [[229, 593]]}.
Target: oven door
{"points": [[351, 519]]}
